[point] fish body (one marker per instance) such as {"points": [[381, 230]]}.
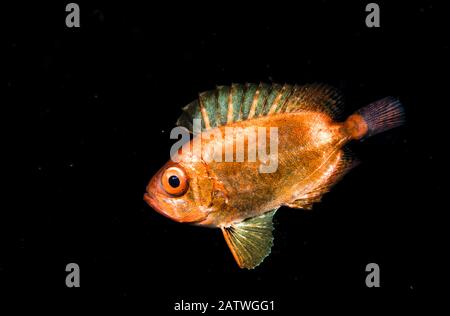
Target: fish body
{"points": [[309, 149], [236, 196]]}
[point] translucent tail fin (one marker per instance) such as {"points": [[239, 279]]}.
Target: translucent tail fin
{"points": [[375, 118]]}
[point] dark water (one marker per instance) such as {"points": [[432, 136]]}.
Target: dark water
{"points": [[95, 108]]}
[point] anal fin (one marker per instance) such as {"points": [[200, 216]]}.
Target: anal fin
{"points": [[251, 240]]}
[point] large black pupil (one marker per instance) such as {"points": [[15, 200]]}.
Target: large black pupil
{"points": [[174, 181]]}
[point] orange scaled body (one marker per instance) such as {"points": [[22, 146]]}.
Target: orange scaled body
{"points": [[236, 196]]}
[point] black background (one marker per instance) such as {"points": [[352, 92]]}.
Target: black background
{"points": [[95, 108]]}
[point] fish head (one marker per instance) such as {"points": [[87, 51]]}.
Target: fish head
{"points": [[181, 191]]}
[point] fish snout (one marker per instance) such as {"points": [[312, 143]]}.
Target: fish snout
{"points": [[155, 203], [150, 199]]}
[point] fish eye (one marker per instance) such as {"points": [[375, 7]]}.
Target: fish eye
{"points": [[174, 181]]}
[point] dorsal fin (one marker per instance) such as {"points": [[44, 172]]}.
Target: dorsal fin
{"points": [[251, 240], [227, 104], [315, 97]]}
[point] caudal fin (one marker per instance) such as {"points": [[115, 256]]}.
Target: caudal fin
{"points": [[375, 118]]}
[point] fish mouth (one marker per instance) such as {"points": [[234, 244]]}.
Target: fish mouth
{"points": [[150, 199], [154, 204]]}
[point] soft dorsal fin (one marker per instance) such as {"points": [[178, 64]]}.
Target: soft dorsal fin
{"points": [[315, 97], [227, 104], [250, 241]]}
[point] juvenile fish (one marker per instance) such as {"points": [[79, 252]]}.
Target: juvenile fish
{"points": [[236, 196]]}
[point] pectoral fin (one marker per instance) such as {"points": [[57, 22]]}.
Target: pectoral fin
{"points": [[251, 240]]}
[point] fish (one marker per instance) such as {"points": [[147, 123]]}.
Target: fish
{"points": [[235, 196]]}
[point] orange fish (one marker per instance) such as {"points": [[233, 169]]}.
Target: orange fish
{"points": [[237, 196]]}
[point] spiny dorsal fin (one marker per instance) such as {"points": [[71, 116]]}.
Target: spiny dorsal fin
{"points": [[250, 241], [227, 104], [190, 112]]}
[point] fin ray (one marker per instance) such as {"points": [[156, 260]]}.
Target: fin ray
{"points": [[251, 240], [316, 97], [227, 104]]}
